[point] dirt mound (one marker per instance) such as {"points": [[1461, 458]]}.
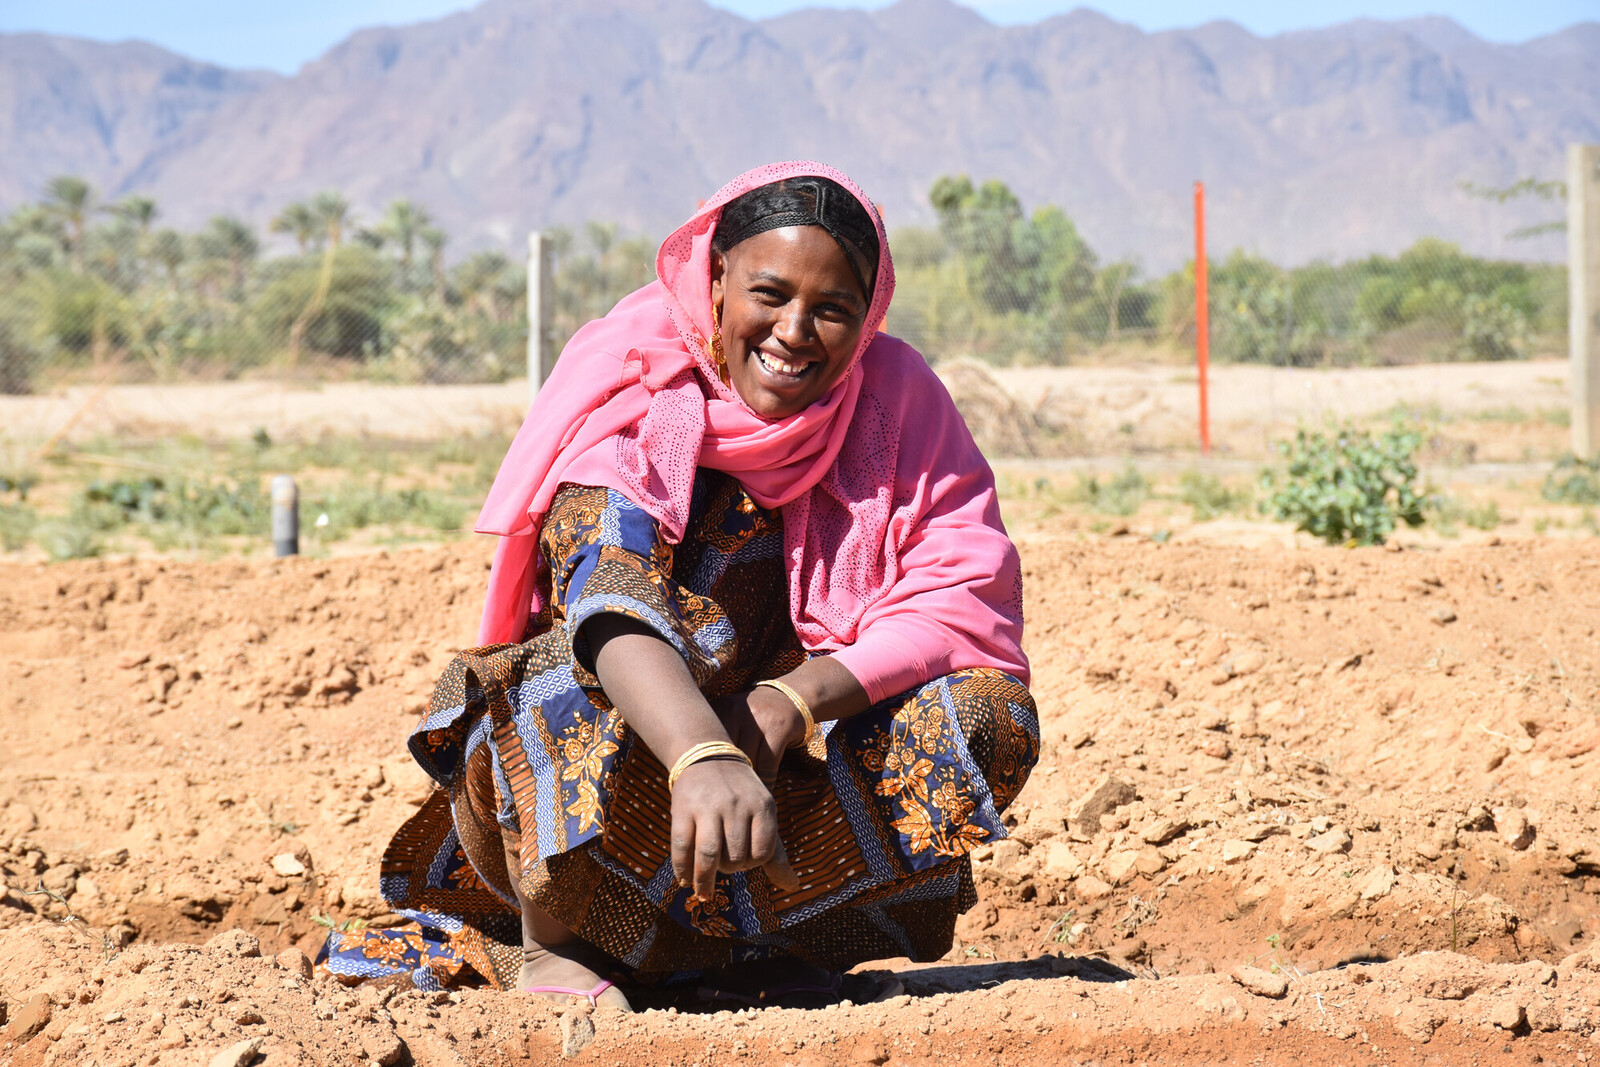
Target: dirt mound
{"points": [[1319, 803]]}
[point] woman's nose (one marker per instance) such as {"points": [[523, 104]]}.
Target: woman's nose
{"points": [[792, 327]]}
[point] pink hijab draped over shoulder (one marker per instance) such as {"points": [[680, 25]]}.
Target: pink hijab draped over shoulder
{"points": [[896, 557]]}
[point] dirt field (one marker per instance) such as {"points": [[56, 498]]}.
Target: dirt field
{"points": [[1295, 806]]}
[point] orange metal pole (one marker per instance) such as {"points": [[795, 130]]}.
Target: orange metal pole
{"points": [[1202, 318]]}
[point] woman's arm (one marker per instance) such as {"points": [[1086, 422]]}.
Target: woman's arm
{"points": [[764, 722], [723, 817]]}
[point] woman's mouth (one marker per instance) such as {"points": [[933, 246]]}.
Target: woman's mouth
{"points": [[782, 368]]}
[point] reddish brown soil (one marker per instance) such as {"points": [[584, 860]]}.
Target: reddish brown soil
{"points": [[1366, 774]]}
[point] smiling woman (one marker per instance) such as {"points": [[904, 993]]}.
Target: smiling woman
{"points": [[751, 684], [788, 314], [789, 271]]}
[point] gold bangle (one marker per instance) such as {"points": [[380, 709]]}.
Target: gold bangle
{"points": [[703, 751], [800, 704]]}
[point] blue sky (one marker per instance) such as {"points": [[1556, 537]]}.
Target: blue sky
{"points": [[283, 35]]}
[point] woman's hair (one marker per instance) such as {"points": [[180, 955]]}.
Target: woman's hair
{"points": [[805, 201]]}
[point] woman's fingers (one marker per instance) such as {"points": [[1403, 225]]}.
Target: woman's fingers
{"points": [[682, 843], [723, 820], [735, 844], [764, 843], [707, 856], [779, 871]]}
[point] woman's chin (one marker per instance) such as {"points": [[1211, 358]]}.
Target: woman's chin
{"points": [[774, 395], [773, 407]]}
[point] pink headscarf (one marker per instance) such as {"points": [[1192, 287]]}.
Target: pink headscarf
{"points": [[896, 556]]}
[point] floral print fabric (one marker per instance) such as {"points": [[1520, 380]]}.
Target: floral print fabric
{"points": [[877, 818]]}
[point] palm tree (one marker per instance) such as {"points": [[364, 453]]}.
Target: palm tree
{"points": [[602, 235], [479, 280], [166, 248], [139, 210], [71, 199], [403, 224], [232, 241], [332, 212], [433, 239], [298, 219]]}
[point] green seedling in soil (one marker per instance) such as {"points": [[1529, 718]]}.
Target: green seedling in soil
{"points": [[74, 922], [1279, 964], [1061, 930]]}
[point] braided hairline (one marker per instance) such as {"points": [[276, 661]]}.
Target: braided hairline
{"points": [[784, 203]]}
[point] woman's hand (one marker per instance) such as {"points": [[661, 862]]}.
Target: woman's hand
{"points": [[724, 819], [764, 723]]}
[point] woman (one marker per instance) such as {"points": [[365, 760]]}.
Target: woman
{"points": [[751, 684]]}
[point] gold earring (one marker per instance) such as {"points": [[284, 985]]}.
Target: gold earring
{"points": [[716, 344]]}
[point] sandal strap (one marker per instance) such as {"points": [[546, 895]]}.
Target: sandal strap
{"points": [[592, 995]]}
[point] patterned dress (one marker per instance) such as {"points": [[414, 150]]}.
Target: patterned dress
{"points": [[877, 817]]}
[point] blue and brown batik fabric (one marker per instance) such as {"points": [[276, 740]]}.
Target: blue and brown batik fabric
{"points": [[878, 816]]}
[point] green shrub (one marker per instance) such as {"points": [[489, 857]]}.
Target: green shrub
{"points": [[16, 526], [18, 484], [1445, 513], [1573, 481], [1209, 496], [195, 507], [1122, 495], [1345, 486], [67, 538], [357, 505]]}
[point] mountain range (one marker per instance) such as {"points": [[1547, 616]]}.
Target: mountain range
{"points": [[1335, 142]]}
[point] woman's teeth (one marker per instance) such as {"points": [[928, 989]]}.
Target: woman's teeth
{"points": [[778, 366]]}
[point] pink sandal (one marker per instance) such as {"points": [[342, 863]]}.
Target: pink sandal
{"points": [[592, 995]]}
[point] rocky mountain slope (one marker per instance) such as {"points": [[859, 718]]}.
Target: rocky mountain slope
{"points": [[518, 113]]}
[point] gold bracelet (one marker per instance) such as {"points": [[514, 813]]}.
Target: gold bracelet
{"points": [[800, 704], [703, 751]]}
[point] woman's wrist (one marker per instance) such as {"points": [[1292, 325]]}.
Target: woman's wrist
{"points": [[703, 752], [802, 708], [828, 689]]}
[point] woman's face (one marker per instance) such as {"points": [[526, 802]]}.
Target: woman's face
{"points": [[792, 312]]}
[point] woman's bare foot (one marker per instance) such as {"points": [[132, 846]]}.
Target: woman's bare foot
{"points": [[566, 967], [555, 958]]}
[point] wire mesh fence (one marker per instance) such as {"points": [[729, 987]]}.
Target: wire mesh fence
{"points": [[994, 283], [104, 293], [158, 378]]}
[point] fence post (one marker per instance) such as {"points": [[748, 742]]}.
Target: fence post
{"points": [[541, 303], [1202, 317], [285, 516], [1583, 280]]}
